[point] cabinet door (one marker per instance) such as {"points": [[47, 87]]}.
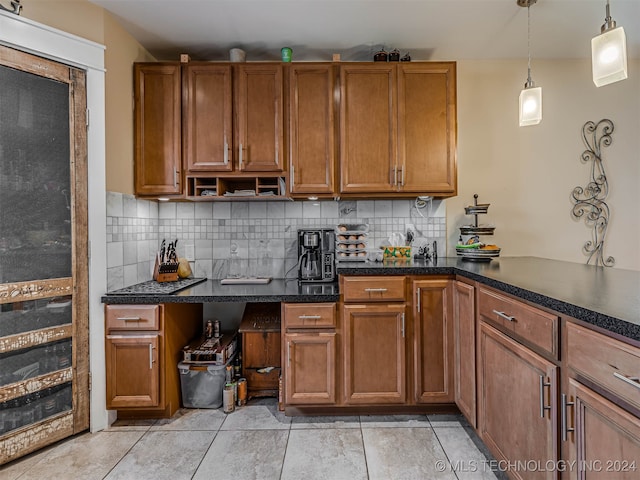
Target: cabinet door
{"points": [[207, 103], [464, 334], [158, 129], [310, 368], [433, 342], [368, 112], [374, 354], [133, 372], [312, 148], [259, 119], [427, 127], [606, 439], [261, 349], [517, 404]]}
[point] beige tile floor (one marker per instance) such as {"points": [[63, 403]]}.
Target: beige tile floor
{"points": [[258, 442]]}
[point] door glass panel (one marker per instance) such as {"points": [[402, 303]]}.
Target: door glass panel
{"points": [[35, 208]]}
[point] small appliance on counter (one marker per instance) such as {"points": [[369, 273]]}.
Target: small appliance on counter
{"points": [[316, 255]]}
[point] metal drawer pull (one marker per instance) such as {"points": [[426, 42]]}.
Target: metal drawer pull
{"points": [[505, 316], [150, 357], [418, 299], [565, 428], [543, 407], [130, 319], [309, 317], [634, 381], [375, 290]]}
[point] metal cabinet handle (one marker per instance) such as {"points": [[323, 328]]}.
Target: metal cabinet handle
{"points": [[418, 299], [240, 156], [403, 325], [505, 316], [130, 319], [226, 151], [175, 178], [395, 175], [293, 177], [150, 357], [402, 177], [288, 353], [633, 381], [380, 290], [565, 427], [309, 317], [543, 407]]}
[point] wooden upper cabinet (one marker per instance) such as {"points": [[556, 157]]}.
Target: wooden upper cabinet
{"points": [[259, 117], [312, 138], [368, 114], [398, 128], [427, 127], [158, 129], [207, 116]]}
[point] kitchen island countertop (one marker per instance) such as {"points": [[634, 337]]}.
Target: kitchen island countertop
{"points": [[605, 297]]}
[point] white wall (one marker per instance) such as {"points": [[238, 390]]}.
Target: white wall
{"points": [[527, 174]]}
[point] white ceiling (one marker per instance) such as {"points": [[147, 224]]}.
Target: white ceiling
{"points": [[315, 29]]}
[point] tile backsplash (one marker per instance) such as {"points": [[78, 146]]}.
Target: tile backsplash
{"points": [[206, 230]]}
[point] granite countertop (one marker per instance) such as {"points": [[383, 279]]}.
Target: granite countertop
{"points": [[605, 297]]}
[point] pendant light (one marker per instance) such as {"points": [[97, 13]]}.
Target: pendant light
{"points": [[609, 53], [530, 96]]}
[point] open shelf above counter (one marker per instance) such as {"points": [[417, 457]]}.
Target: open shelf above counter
{"points": [[234, 187]]}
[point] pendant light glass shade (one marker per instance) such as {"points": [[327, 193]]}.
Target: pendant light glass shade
{"points": [[531, 96], [609, 56], [530, 106]]}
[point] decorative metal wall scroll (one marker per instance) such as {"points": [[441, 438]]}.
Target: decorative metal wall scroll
{"points": [[590, 200], [15, 7]]}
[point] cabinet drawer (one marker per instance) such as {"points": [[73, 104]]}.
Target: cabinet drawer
{"points": [[310, 315], [531, 324], [132, 317], [612, 364], [373, 289], [262, 381]]}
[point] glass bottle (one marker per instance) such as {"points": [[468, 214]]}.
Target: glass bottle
{"points": [[264, 260], [234, 262]]}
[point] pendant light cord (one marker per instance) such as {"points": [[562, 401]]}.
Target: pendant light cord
{"points": [[529, 82]]}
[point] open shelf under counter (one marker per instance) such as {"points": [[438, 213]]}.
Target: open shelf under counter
{"points": [[237, 188]]}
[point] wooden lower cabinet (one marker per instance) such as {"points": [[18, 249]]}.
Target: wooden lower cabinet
{"points": [[464, 338], [134, 371], [605, 442], [310, 368], [374, 353], [432, 341], [517, 412], [143, 348]]}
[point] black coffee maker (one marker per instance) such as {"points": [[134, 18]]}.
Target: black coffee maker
{"points": [[316, 255]]}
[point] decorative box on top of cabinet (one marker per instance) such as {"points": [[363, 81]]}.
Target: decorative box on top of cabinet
{"points": [[143, 347], [398, 128]]}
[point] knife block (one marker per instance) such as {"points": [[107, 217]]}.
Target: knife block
{"points": [[165, 271]]}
